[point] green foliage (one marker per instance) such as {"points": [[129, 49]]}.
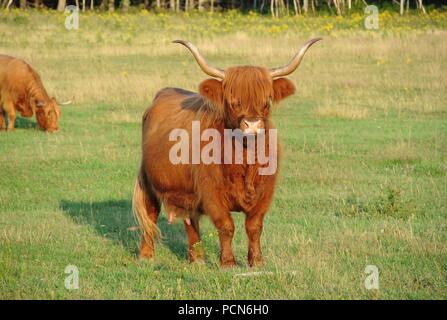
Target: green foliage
{"points": [[388, 204]]}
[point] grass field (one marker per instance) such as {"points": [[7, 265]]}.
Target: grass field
{"points": [[363, 178]]}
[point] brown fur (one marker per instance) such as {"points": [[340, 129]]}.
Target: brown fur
{"points": [[22, 90], [216, 189]]}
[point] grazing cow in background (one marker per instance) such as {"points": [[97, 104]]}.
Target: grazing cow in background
{"points": [[239, 99], [21, 89]]}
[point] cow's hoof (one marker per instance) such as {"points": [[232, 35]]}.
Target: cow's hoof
{"points": [[197, 258], [145, 255], [197, 261], [253, 263], [145, 258], [228, 263], [196, 253]]}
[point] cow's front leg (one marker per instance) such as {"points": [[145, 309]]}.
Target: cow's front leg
{"points": [[224, 224], [225, 229], [11, 114], [253, 226], [195, 252]]}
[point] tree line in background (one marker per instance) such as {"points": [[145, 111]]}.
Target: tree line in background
{"points": [[274, 7]]}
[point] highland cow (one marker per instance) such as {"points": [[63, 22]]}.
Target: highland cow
{"points": [[22, 90], [238, 98]]}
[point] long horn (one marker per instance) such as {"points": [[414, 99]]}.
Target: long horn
{"points": [[65, 103], [209, 70], [294, 62]]}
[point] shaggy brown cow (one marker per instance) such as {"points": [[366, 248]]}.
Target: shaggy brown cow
{"points": [[21, 89], [240, 99]]}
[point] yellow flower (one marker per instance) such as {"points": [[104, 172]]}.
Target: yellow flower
{"points": [[328, 27]]}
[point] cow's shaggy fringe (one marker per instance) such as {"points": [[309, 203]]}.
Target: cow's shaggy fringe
{"points": [[252, 85], [139, 208]]}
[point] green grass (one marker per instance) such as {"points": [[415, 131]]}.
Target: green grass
{"points": [[363, 177]]}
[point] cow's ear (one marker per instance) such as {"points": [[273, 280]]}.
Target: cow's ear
{"points": [[212, 90], [282, 88]]}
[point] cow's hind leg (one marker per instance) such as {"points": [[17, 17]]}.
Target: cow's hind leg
{"points": [[146, 208], [2, 120], [195, 251], [147, 246]]}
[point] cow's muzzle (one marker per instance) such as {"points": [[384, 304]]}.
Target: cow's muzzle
{"points": [[252, 125], [51, 130]]}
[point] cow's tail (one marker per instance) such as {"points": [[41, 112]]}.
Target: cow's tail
{"points": [[141, 204]]}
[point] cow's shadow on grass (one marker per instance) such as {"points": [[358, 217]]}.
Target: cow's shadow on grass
{"points": [[24, 123], [112, 220]]}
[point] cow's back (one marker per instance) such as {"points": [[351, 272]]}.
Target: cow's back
{"points": [[15, 76], [4, 69], [18, 83], [13, 69]]}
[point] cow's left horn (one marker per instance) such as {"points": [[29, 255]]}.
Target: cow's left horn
{"points": [[294, 62], [209, 70]]}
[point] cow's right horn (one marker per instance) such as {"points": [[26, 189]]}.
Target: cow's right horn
{"points": [[209, 70], [294, 62], [66, 103]]}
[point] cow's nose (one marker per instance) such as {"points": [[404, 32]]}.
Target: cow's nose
{"points": [[251, 125]]}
